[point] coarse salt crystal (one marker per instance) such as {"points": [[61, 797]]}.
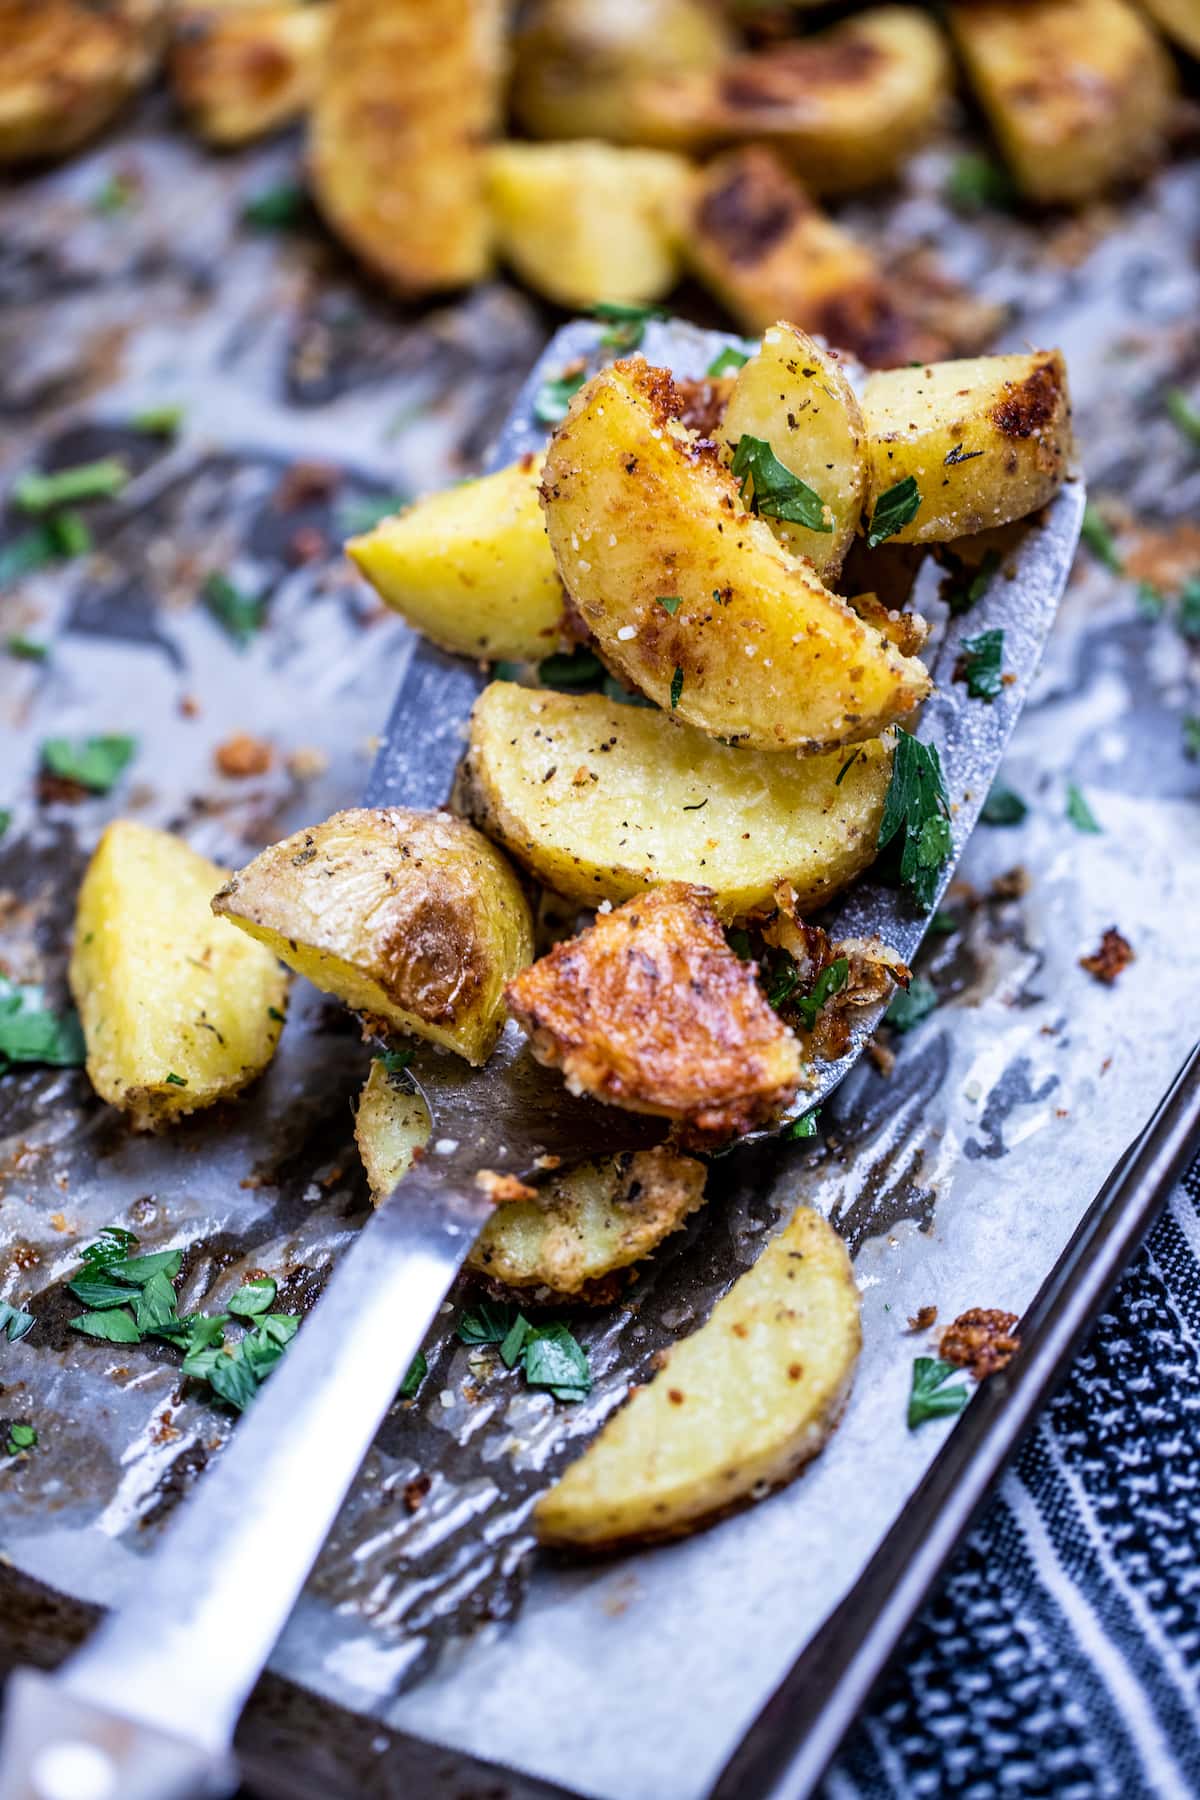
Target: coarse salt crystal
{"points": [[626, 632], [445, 1147]]}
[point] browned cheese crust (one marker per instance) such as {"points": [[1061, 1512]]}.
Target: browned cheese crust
{"points": [[651, 1010]]}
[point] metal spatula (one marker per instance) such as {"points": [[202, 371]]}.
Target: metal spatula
{"points": [[147, 1709]]}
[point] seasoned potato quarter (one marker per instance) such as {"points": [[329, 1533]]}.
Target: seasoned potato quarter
{"points": [[409, 93], [584, 221], [178, 1009], [987, 440], [409, 917], [471, 566], [1078, 92], [690, 598], [586, 1223], [794, 397], [650, 1009], [67, 66], [734, 1410], [601, 801], [577, 62], [239, 72], [846, 106]]}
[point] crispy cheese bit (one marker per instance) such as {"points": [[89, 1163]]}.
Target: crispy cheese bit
{"points": [[651, 1010]]}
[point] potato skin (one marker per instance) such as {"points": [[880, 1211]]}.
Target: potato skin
{"points": [[1180, 19], [409, 94], [601, 801], [163, 988], [67, 66], [758, 651], [585, 1224], [242, 72], [471, 566], [794, 396], [987, 439], [735, 1409], [1078, 92], [409, 917], [650, 1009], [586, 221]]}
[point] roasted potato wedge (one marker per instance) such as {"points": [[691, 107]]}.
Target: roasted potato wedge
{"points": [[601, 801], [846, 106], [1180, 19], [67, 66], [690, 598], [1078, 92], [584, 1224], [178, 1009], [583, 221], [650, 1009], [240, 72], [987, 439], [411, 918], [737, 1408], [407, 98], [578, 61], [794, 397], [471, 566]]}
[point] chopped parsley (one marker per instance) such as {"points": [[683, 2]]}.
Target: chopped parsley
{"points": [[21, 1437], [930, 1398], [176, 1080], [626, 322], [942, 924], [1183, 414], [357, 517], [487, 1323], [254, 1298], [62, 535], [803, 1127], [828, 983], [554, 397], [1079, 812], [1003, 806], [110, 1327], [96, 763], [1099, 540], [5, 819], [968, 588], [26, 649], [570, 670], [1188, 617], [158, 421], [909, 1008], [100, 480], [1191, 735], [550, 1355], [976, 181], [395, 1061], [1150, 602], [894, 510], [676, 686], [14, 1323], [983, 664], [418, 1369], [31, 1033], [276, 208], [916, 814], [727, 362], [241, 614], [768, 488], [784, 978], [115, 195], [670, 603], [739, 940]]}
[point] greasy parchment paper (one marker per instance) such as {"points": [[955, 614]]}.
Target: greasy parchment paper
{"points": [[957, 1180]]}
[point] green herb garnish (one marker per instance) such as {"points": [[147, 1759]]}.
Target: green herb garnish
{"points": [[111, 1327], [968, 589], [930, 1397], [26, 649], [418, 1369], [488, 1323], [553, 398], [158, 421], [357, 517], [395, 1061], [676, 686], [1079, 812], [976, 182], [100, 480], [727, 362], [626, 322], [1099, 540], [5, 819], [1150, 602], [241, 614], [514, 1341], [572, 670], [1183, 414], [176, 1081], [1187, 618], [21, 1437], [916, 814], [803, 1127], [115, 195], [670, 603], [894, 510], [983, 664], [1191, 735], [276, 208], [14, 1323], [31, 1033], [770, 489], [253, 1298], [942, 923], [1003, 806], [829, 982], [555, 1360], [909, 1008], [96, 763]]}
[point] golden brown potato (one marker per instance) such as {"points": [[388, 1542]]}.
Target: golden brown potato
{"points": [[471, 566], [67, 66], [1078, 92], [986, 440], [794, 397], [582, 222], [584, 1225], [691, 599], [178, 1009], [601, 801], [1180, 19], [649, 1009], [239, 72], [578, 61], [846, 106], [409, 94], [411, 918], [734, 1410]]}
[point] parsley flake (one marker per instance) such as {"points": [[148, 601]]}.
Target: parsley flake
{"points": [[967, 588], [829, 982], [727, 362], [14, 1323], [395, 1061], [276, 208], [253, 1298], [976, 182], [1079, 812], [31, 1033], [626, 322], [357, 517], [110, 1327], [770, 489], [1099, 540], [894, 510], [1003, 806], [5, 819], [26, 649], [930, 1397], [96, 763], [241, 614], [553, 398], [670, 603], [1187, 619], [176, 1080], [418, 1369], [803, 1127], [100, 480], [916, 814], [676, 686], [572, 670], [158, 421], [554, 1359], [1191, 736], [982, 664], [909, 1008], [21, 1437], [1183, 414], [488, 1323]]}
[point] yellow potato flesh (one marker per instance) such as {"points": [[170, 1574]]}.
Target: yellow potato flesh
{"points": [[243, 71]]}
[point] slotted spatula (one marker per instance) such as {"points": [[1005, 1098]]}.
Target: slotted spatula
{"points": [[148, 1708]]}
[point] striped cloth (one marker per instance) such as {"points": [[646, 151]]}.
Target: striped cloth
{"points": [[1062, 1655]]}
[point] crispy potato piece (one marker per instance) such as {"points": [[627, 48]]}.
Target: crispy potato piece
{"points": [[987, 439], [651, 1010], [240, 72], [585, 1223], [1180, 19], [847, 106], [601, 801], [409, 917], [408, 95], [582, 222], [756, 649], [178, 1010], [794, 396], [1078, 92], [734, 1410], [578, 61], [66, 67], [472, 567]]}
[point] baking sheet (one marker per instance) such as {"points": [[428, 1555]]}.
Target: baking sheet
{"points": [[957, 1180]]}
